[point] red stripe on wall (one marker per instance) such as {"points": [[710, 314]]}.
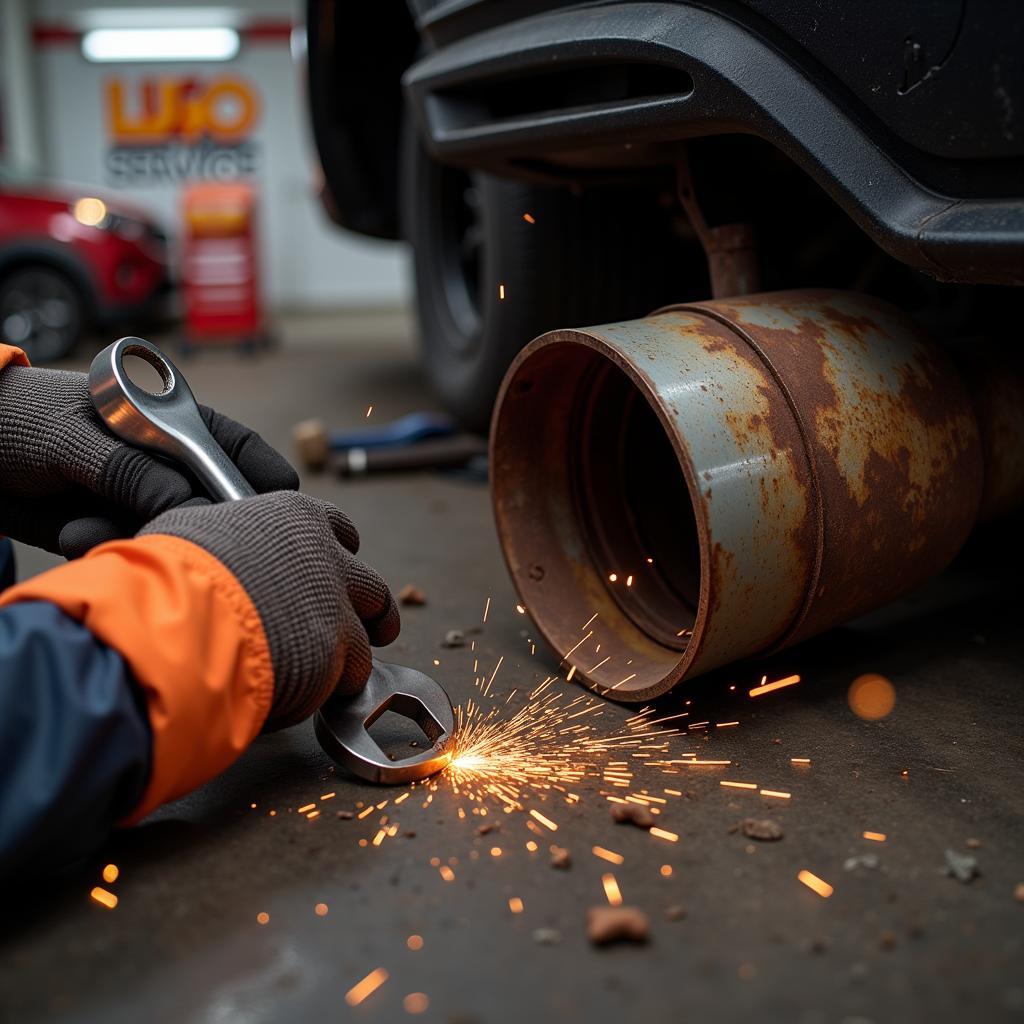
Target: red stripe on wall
{"points": [[57, 34]]}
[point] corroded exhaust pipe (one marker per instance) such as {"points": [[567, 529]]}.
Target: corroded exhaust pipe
{"points": [[727, 478]]}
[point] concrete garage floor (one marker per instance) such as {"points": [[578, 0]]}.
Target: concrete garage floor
{"points": [[901, 941]]}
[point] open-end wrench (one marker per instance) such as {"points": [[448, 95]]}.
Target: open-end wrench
{"points": [[169, 424]]}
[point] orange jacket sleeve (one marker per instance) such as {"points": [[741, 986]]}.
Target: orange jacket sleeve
{"points": [[11, 356], [194, 643]]}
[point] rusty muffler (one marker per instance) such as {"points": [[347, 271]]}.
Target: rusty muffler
{"points": [[727, 478]]}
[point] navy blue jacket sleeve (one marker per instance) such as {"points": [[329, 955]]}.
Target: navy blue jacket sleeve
{"points": [[75, 744]]}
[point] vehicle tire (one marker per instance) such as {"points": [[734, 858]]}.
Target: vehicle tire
{"points": [[590, 256], [41, 312]]}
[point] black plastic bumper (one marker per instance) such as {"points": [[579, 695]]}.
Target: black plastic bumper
{"points": [[498, 100]]}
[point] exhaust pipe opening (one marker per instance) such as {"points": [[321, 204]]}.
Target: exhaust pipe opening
{"points": [[592, 487], [631, 502]]}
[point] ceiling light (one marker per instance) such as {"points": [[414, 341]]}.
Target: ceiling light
{"points": [[143, 45]]}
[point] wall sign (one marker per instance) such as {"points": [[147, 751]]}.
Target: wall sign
{"points": [[168, 130]]}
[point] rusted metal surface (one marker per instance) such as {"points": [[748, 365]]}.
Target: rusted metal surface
{"points": [[891, 434], [831, 461]]}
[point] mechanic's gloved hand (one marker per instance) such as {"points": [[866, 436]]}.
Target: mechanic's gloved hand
{"points": [[67, 484], [321, 607]]}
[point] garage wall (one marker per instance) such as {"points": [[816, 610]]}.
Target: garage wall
{"points": [[307, 262]]}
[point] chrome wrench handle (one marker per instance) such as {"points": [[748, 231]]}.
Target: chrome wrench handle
{"points": [[168, 423]]}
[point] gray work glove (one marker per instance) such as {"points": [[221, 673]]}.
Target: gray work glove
{"points": [[320, 606], [67, 484]]}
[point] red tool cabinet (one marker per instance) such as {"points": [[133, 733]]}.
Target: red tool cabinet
{"points": [[219, 260]]}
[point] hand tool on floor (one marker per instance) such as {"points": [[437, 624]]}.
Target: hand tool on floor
{"points": [[314, 443], [169, 424]]}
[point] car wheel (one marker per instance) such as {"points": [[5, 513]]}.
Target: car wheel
{"points": [[498, 262], [41, 312]]}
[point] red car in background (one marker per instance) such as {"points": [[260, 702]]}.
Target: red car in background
{"points": [[70, 261]]}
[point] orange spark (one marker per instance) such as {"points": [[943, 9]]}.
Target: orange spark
{"points": [[776, 793], [666, 870], [611, 890], [546, 822], [777, 685], [103, 897], [529, 218], [609, 855], [262, 917], [515, 904], [739, 785], [414, 942], [110, 873], [320, 910], [415, 1002], [308, 807], [361, 989], [812, 881], [878, 837], [661, 833]]}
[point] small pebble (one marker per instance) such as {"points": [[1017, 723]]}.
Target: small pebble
{"points": [[818, 944], [410, 594], [887, 940], [617, 924], [633, 814], [486, 827], [409, 833], [763, 829], [561, 858], [345, 815], [961, 866], [973, 844], [454, 638], [862, 860], [547, 936], [676, 912]]}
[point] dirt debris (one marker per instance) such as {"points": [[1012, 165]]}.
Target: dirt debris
{"points": [[633, 814], [454, 638], [675, 912], [973, 844], [561, 858], [763, 829], [617, 924], [345, 815], [961, 866], [487, 827], [410, 594], [1018, 892], [547, 936], [861, 860]]}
